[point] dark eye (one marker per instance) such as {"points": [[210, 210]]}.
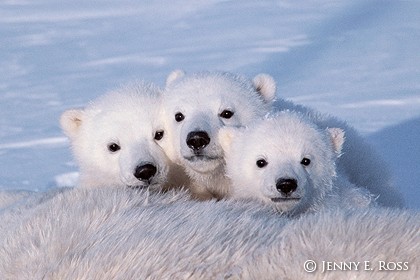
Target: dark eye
{"points": [[261, 163], [305, 161], [179, 117], [113, 147], [226, 114], [159, 135]]}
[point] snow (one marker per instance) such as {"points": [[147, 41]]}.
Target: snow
{"points": [[358, 60]]}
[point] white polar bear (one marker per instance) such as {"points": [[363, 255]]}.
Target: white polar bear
{"points": [[288, 162], [359, 162], [196, 106], [114, 139], [199, 104], [118, 233]]}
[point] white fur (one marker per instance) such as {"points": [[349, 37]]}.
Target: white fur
{"points": [[114, 233], [201, 98], [360, 162], [129, 117], [284, 141]]}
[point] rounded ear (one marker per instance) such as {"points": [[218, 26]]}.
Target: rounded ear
{"points": [[337, 139], [265, 85], [70, 121], [173, 76]]}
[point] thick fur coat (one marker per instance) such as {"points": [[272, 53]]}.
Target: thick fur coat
{"points": [[360, 162], [115, 140], [197, 105], [286, 161], [119, 233]]}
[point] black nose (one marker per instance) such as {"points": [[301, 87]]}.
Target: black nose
{"points": [[197, 140], [145, 172], [286, 186]]}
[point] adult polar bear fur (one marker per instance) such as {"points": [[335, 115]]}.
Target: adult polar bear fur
{"points": [[195, 107], [114, 233], [114, 140], [286, 161], [199, 104]]}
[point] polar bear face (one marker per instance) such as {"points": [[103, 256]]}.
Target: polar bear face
{"points": [[196, 106], [114, 139], [283, 160]]}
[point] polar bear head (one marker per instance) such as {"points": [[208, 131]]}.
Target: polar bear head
{"points": [[114, 139], [196, 106], [283, 160]]}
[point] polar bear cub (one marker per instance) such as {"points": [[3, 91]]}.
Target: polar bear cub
{"points": [[196, 106], [287, 161], [114, 139]]}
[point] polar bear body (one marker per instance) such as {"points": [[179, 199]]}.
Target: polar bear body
{"points": [[203, 97], [114, 233], [196, 106], [114, 139], [288, 162], [359, 163]]}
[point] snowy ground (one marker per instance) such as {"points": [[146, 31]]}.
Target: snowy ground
{"points": [[358, 60]]}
